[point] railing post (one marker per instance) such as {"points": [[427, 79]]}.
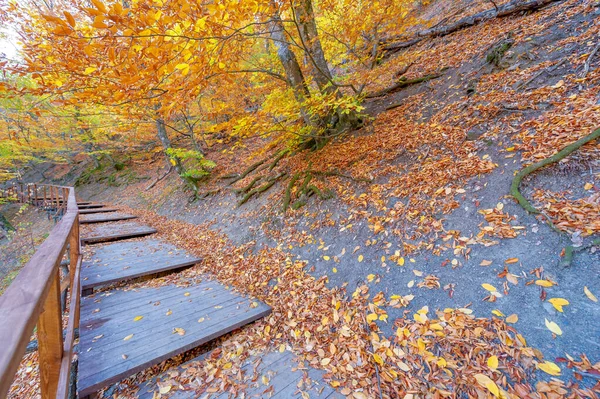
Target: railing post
{"points": [[74, 252], [50, 340]]}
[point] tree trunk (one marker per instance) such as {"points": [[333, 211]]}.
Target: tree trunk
{"points": [[307, 28], [161, 132], [290, 64]]}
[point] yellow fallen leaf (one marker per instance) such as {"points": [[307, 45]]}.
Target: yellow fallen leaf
{"points": [[281, 348], [138, 318], [200, 320], [186, 294], [334, 270], [544, 283], [558, 303], [492, 362], [513, 318], [179, 331], [371, 277], [549, 368], [164, 389], [552, 326], [371, 317], [498, 313], [378, 359], [382, 259], [360, 258], [326, 257], [411, 283], [127, 338], [227, 366], [487, 382], [489, 287], [169, 312], [265, 380], [588, 186], [485, 263], [326, 361], [401, 261], [589, 294], [511, 260]]}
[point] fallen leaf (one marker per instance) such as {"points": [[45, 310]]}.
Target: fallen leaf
{"points": [[513, 318], [498, 313], [360, 258], [558, 303], [485, 263], [138, 318], [371, 277], [589, 294], [489, 287], [544, 283], [588, 186], [164, 389], [326, 257], [127, 338], [511, 260], [552, 326], [178, 330], [487, 382], [492, 362], [186, 294], [401, 261], [200, 320], [549, 368]]}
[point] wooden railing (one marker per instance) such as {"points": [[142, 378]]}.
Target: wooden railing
{"points": [[33, 298]]}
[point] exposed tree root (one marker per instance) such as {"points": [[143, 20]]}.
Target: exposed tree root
{"points": [[525, 204], [588, 62], [159, 178], [571, 250], [535, 76], [496, 12], [261, 189], [403, 83]]}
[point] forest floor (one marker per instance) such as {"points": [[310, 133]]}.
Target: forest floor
{"points": [[435, 226]]}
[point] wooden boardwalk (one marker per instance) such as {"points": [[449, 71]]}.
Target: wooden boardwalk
{"points": [[125, 331], [113, 345], [129, 259], [285, 380], [104, 217], [102, 232]]}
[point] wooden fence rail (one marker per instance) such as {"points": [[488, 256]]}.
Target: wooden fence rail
{"points": [[33, 298]]}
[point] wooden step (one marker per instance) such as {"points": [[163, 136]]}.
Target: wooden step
{"points": [[107, 319], [103, 232], [97, 210], [104, 217], [279, 368], [91, 206], [126, 260]]}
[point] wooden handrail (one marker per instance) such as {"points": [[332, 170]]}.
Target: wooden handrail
{"points": [[33, 298]]}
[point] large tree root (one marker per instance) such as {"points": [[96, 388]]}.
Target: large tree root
{"points": [[403, 83], [514, 187], [502, 11], [261, 189]]}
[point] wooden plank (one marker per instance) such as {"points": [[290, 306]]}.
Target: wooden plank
{"points": [[126, 260], [105, 217], [91, 206], [49, 329], [114, 231], [65, 367], [101, 360], [96, 210]]}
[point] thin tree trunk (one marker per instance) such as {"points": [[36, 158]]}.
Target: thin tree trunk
{"points": [[307, 28], [161, 132], [290, 64]]}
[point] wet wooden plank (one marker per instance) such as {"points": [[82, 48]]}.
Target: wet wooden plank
{"points": [[126, 260], [114, 231], [104, 217], [107, 319], [96, 210], [91, 206]]}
